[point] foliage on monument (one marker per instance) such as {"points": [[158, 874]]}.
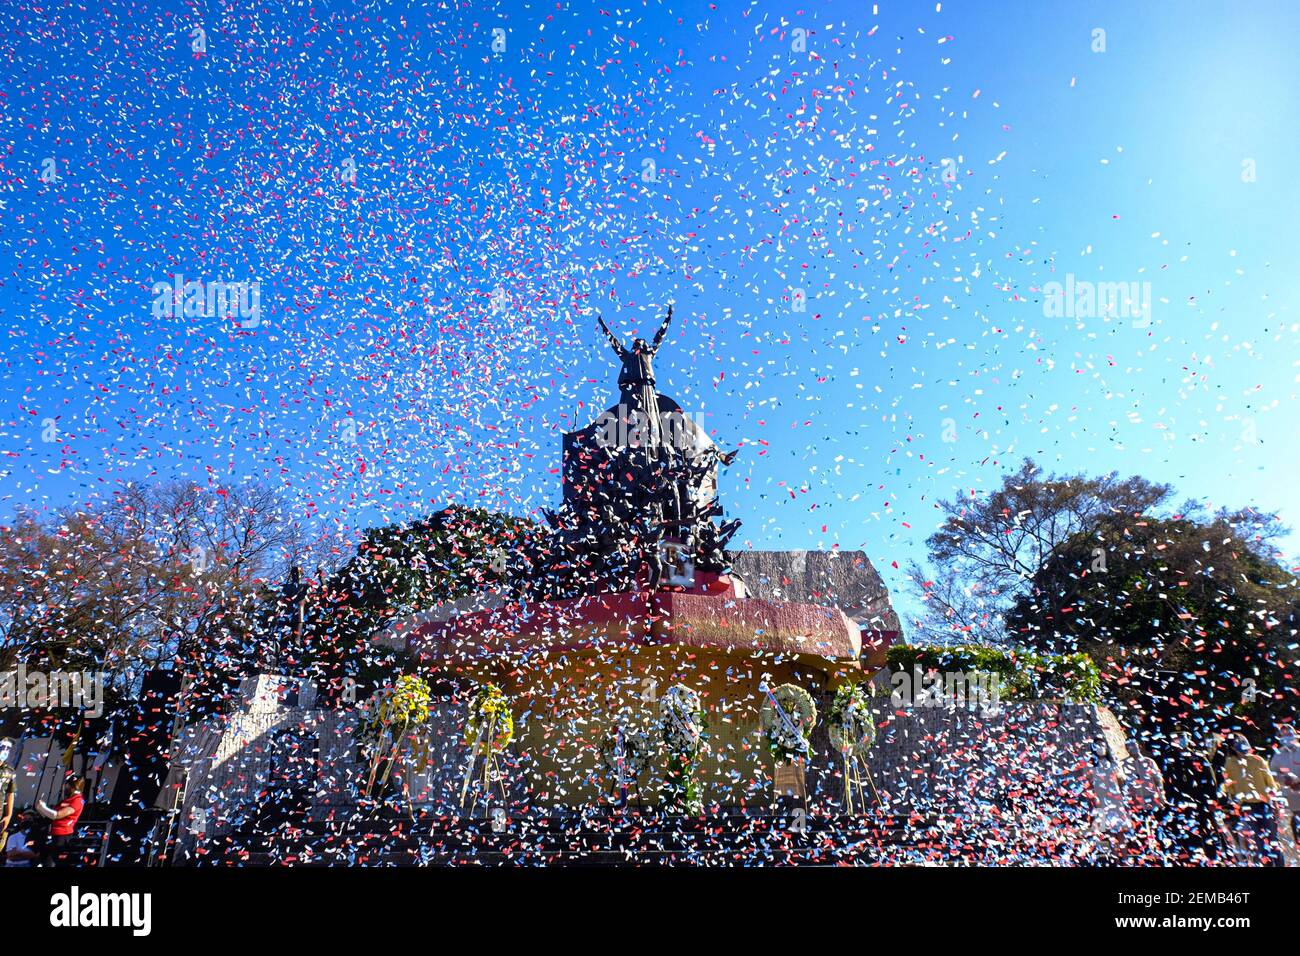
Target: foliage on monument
{"points": [[850, 724], [489, 725], [400, 570], [681, 726], [1203, 597], [787, 717], [1023, 674]]}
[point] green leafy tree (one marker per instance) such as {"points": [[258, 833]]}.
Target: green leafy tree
{"points": [[400, 570], [989, 547], [1190, 617]]}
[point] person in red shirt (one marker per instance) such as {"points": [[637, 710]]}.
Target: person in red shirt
{"points": [[64, 817]]}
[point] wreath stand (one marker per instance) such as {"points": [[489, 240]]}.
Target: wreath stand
{"points": [[491, 770], [381, 756], [788, 780], [788, 775], [853, 781], [376, 783], [619, 783], [618, 790]]}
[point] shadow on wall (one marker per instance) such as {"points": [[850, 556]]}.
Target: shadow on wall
{"points": [[1030, 756]]}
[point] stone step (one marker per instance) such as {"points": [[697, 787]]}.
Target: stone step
{"points": [[608, 836], [532, 825], [728, 848], [595, 858]]}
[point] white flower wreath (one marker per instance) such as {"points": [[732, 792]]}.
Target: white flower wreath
{"points": [[787, 732], [681, 719], [850, 724]]}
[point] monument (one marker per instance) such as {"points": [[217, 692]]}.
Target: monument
{"points": [[636, 596], [635, 667], [640, 485]]}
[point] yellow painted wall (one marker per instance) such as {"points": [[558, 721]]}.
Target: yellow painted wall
{"points": [[566, 704]]}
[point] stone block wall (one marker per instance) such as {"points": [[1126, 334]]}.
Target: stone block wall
{"points": [[843, 579], [1033, 754], [944, 761]]}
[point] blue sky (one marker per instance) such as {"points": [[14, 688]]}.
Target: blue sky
{"points": [[427, 330]]}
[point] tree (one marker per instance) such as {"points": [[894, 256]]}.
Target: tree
{"points": [[400, 570], [1190, 616], [157, 575], [989, 548]]}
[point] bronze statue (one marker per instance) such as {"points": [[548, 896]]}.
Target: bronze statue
{"points": [[637, 370], [650, 485]]}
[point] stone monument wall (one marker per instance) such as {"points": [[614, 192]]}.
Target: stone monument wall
{"points": [[953, 760], [944, 761], [843, 579]]}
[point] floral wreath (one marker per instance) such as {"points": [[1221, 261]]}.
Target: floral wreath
{"points": [[787, 730], [850, 724], [392, 719], [681, 723], [407, 703], [489, 712], [393, 712], [681, 719]]}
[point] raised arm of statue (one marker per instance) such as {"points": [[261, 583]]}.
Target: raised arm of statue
{"points": [[613, 339], [663, 330]]}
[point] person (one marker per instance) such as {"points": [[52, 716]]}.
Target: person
{"points": [[1111, 820], [1146, 785], [64, 819], [1249, 786], [20, 848], [8, 787], [1219, 752], [1225, 814], [1144, 790], [1285, 767], [1192, 791]]}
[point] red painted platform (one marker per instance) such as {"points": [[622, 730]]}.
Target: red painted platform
{"points": [[714, 615]]}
